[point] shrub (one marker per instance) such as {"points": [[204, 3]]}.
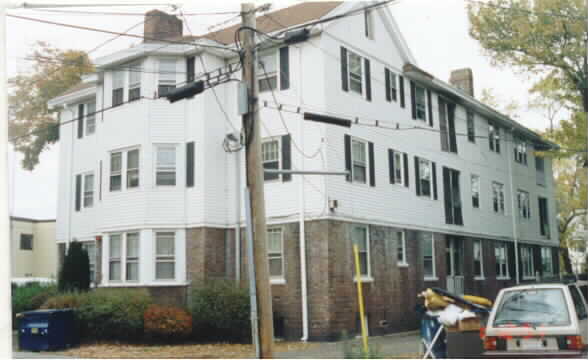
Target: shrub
{"points": [[220, 311], [105, 314], [29, 297], [75, 272], [167, 323]]}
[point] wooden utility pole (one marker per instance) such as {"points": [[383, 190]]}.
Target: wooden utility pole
{"points": [[255, 184]]}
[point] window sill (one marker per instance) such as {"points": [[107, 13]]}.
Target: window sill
{"points": [[402, 264], [364, 279], [278, 281], [503, 278], [154, 283], [525, 277], [434, 278], [479, 278]]}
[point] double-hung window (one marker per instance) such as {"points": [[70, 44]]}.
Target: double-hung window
{"points": [[391, 85], [425, 177], [115, 171], [132, 257], [275, 252], [135, 81], [368, 24], [471, 126], [118, 87], [88, 190], [115, 257], [501, 255], [498, 197], [355, 72], [270, 157], [520, 151], [360, 237], [452, 197], [447, 126], [546, 261], [544, 218], [478, 259], [428, 253], [420, 102], [494, 138], [133, 168], [540, 170], [165, 258], [26, 241], [359, 161], [475, 185], [401, 257], [166, 165], [524, 204], [167, 76], [527, 262], [90, 118], [397, 165], [267, 71]]}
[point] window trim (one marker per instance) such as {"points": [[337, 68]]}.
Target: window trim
{"points": [[503, 246], [501, 207], [402, 241], [364, 144], [115, 90], [432, 277], [127, 169], [398, 165], [393, 82], [416, 103], [92, 192], [166, 82], [279, 279], [522, 198], [481, 259], [87, 117], [156, 166], [362, 74], [118, 259], [368, 276], [278, 140], [123, 258], [174, 258], [117, 172], [431, 179]]}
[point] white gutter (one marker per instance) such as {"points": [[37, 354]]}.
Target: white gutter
{"points": [[515, 231], [302, 239]]}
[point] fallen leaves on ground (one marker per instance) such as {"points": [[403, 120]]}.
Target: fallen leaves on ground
{"points": [[185, 351]]}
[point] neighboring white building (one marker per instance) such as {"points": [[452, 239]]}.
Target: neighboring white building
{"points": [[579, 247], [34, 250], [441, 205]]}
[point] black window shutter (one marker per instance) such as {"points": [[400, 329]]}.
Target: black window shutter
{"points": [[434, 180], [510, 258], [368, 80], [348, 156], [451, 128], [344, 75], [190, 164], [286, 157], [447, 199], [430, 106], [284, 68], [457, 198], [387, 78], [372, 164], [443, 124], [406, 182], [391, 165], [413, 100], [78, 192], [417, 177], [190, 69], [401, 86], [80, 121]]}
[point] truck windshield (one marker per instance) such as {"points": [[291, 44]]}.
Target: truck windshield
{"points": [[532, 307]]}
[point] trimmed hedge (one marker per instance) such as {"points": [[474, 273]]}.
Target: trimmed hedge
{"points": [[105, 314], [167, 323], [220, 311], [29, 297]]}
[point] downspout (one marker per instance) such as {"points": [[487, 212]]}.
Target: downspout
{"points": [[302, 237], [515, 232], [238, 217], [68, 240]]}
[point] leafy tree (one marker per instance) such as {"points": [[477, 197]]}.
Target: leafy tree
{"points": [[490, 98], [75, 272], [544, 39], [32, 126]]}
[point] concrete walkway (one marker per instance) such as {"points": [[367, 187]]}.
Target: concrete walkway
{"points": [[402, 345]]}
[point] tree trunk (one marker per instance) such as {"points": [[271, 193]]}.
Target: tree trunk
{"points": [[565, 255]]}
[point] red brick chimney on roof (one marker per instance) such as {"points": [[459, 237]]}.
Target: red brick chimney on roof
{"points": [[161, 26]]}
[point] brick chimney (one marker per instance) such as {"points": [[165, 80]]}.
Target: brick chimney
{"points": [[463, 79], [159, 25]]}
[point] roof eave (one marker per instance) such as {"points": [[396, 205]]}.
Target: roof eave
{"points": [[414, 73], [72, 97]]}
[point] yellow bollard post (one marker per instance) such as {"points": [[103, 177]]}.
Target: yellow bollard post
{"points": [[360, 301]]}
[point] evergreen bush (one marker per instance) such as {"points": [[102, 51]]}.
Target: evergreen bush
{"points": [[75, 271]]}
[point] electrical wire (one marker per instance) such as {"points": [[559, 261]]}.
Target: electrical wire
{"points": [[119, 13]]}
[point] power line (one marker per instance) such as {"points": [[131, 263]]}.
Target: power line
{"points": [[120, 13], [79, 27]]}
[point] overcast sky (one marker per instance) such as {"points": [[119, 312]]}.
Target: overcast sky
{"points": [[436, 32]]}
